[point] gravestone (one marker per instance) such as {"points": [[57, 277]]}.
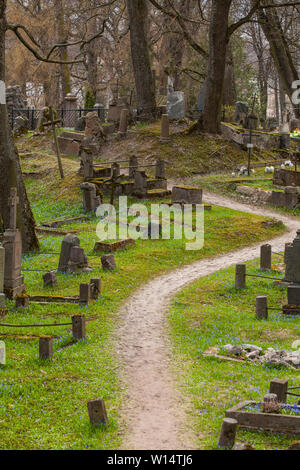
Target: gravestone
{"points": [[2, 353], [87, 163], [241, 112], [94, 133], [78, 260], [68, 242], [292, 259], [2, 264], [90, 199], [50, 279], [12, 243], [140, 184], [176, 105], [108, 262], [187, 195]]}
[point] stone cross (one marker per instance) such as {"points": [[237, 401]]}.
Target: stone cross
{"points": [[13, 203]]}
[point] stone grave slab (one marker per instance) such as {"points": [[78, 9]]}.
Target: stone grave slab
{"points": [[106, 247]]}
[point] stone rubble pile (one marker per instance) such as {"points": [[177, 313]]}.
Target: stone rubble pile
{"points": [[270, 356]]}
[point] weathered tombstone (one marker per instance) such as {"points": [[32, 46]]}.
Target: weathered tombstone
{"points": [[21, 125], [2, 264], [78, 326], [45, 347], [90, 199], [78, 260], [140, 184], [87, 163], [187, 195], [292, 258], [165, 129], [97, 412], [12, 242], [280, 388], [240, 276], [160, 169], [228, 433], [108, 262], [50, 279], [176, 105], [133, 166], [262, 308], [123, 123], [115, 170], [68, 242], [265, 258], [95, 288], [270, 403], [241, 112], [80, 124], [22, 301], [2, 353]]}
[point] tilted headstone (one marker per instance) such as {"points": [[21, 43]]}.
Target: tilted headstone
{"points": [[87, 163], [12, 243], [2, 264]]}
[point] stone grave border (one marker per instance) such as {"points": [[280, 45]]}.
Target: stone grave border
{"points": [[267, 421]]}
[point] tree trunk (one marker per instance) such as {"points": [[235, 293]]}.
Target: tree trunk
{"points": [[145, 87], [92, 58], [214, 85], [63, 51], [230, 97], [11, 175], [280, 52]]}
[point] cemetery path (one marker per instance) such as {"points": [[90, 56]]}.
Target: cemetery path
{"points": [[155, 411]]}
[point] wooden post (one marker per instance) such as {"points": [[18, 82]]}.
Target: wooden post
{"points": [[61, 171], [45, 347], [262, 308], [240, 276], [265, 258], [228, 433], [280, 388], [97, 411], [78, 326]]}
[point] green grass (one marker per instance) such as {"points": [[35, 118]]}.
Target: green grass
{"points": [[211, 312], [43, 403]]}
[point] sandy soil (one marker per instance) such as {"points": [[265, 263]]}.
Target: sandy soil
{"points": [[154, 413]]}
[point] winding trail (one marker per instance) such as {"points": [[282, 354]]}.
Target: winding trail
{"points": [[154, 411]]}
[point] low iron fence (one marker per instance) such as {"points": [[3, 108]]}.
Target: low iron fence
{"points": [[69, 117]]}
